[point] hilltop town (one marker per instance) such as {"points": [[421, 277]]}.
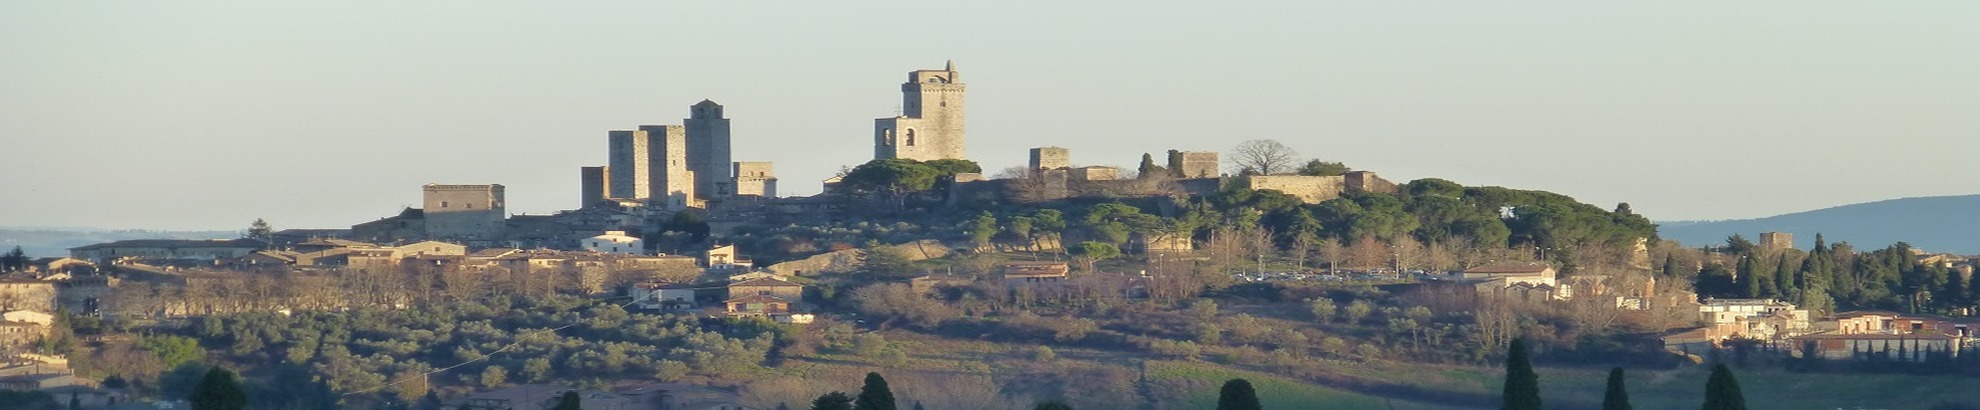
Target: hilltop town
{"points": [[681, 279]]}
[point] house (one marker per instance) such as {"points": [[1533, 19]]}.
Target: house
{"points": [[663, 296], [29, 316], [59, 265], [27, 294], [1753, 318], [423, 248], [614, 242], [1533, 282], [725, 258], [1034, 272], [768, 287], [683, 396], [758, 305], [324, 244]]}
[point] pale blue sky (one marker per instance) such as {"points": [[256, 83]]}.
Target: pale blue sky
{"points": [[209, 114]]}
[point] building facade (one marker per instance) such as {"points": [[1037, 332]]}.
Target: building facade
{"points": [[472, 212], [754, 178], [930, 125]]}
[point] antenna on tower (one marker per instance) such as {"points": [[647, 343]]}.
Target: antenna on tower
{"points": [[897, 110]]}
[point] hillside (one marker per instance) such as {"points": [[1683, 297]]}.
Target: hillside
{"points": [[1937, 224], [40, 242]]}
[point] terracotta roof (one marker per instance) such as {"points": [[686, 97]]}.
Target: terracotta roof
{"points": [[766, 282], [1862, 313]]}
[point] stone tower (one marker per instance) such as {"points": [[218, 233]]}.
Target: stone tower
{"points": [[593, 184], [670, 181], [1050, 158], [1776, 241], [707, 147], [930, 125], [754, 178], [464, 211], [1192, 164], [628, 164]]}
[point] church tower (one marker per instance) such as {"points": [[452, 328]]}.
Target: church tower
{"points": [[930, 125]]}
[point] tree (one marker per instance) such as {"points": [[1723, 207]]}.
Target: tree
{"points": [[259, 230], [1094, 252], [882, 261], [218, 391], [1722, 391], [1615, 398], [1267, 157], [833, 401], [569, 401], [14, 260], [1237, 394], [1522, 390], [892, 178], [1320, 168], [875, 395]]}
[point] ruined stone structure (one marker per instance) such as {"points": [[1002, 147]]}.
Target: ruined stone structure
{"points": [[1096, 173], [1317, 189], [472, 212], [930, 125], [1050, 158], [1776, 241], [592, 184], [707, 153], [754, 178], [1193, 164]]}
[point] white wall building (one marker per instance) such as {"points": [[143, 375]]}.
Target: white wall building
{"points": [[614, 242]]}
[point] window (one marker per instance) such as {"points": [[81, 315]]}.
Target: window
{"points": [[910, 137], [470, 205], [443, 204], [887, 136]]}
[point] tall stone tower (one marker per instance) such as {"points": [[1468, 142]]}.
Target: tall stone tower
{"points": [[707, 147], [628, 165], [593, 184], [471, 212], [930, 125], [670, 180]]}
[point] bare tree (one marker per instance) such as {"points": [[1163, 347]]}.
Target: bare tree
{"points": [[1266, 157]]}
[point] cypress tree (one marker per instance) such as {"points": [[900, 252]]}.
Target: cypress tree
{"points": [[1237, 394], [875, 395], [1746, 278], [1671, 266], [1615, 398], [1722, 391], [833, 401], [1522, 384], [569, 401], [218, 391]]}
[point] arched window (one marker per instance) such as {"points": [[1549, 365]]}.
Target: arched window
{"points": [[910, 137], [887, 136]]}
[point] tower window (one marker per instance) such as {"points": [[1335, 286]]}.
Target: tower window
{"points": [[910, 137], [886, 136], [443, 204]]}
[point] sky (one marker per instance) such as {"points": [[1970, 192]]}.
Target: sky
{"points": [[207, 115]]}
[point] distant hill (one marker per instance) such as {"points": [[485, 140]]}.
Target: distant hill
{"points": [[40, 242], [1937, 224]]}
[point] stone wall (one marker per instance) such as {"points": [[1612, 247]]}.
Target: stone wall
{"points": [[848, 260], [464, 211], [1050, 158], [1309, 189]]}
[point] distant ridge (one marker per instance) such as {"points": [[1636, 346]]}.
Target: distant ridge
{"points": [[1936, 224], [40, 242]]}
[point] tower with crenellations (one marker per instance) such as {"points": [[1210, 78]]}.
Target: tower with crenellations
{"points": [[707, 147], [930, 125]]}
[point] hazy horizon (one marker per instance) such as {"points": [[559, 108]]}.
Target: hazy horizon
{"points": [[207, 116]]}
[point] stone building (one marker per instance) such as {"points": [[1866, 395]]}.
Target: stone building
{"points": [[1776, 241], [470, 212], [754, 178], [1317, 189], [1095, 173], [592, 184], [707, 151], [651, 163], [27, 294], [930, 125], [1193, 164], [1050, 158], [614, 242]]}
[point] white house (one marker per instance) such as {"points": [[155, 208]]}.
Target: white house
{"points": [[614, 242]]}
